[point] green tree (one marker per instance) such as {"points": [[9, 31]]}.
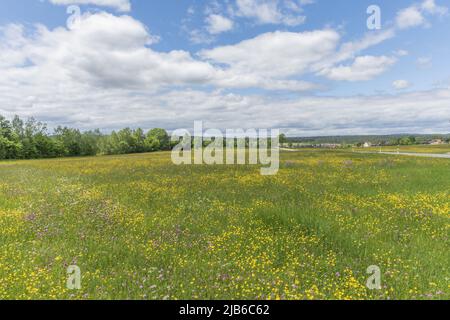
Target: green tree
{"points": [[139, 140], [70, 139], [90, 143], [283, 139], [152, 144], [5, 128], [162, 136], [30, 139], [9, 149]]}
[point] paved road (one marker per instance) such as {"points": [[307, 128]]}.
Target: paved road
{"points": [[410, 154], [413, 154]]}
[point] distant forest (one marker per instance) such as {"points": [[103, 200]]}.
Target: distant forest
{"points": [[30, 140]]}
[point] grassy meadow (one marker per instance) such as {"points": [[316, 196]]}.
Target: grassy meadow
{"points": [[140, 227]]}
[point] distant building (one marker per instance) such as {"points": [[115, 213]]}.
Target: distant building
{"points": [[330, 145], [436, 142], [367, 144]]}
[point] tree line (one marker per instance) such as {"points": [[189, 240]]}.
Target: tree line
{"points": [[30, 139]]}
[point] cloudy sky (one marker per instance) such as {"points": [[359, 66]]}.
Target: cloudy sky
{"points": [[308, 67]]}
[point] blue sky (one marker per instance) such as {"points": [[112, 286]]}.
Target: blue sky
{"points": [[309, 67]]}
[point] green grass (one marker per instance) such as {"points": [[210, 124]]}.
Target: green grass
{"points": [[141, 228]]}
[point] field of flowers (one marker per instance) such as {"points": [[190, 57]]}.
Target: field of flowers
{"points": [[141, 228]]}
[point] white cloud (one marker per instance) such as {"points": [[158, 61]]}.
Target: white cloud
{"points": [[424, 62], [414, 15], [104, 51], [270, 60], [13, 40], [401, 53], [232, 79], [273, 60], [363, 68], [351, 49], [410, 17], [217, 24], [104, 74], [382, 114], [401, 84], [108, 51], [106, 68], [120, 5], [276, 54], [421, 112], [198, 36], [431, 7], [285, 12]]}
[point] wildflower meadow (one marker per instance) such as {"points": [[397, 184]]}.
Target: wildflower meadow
{"points": [[140, 227]]}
